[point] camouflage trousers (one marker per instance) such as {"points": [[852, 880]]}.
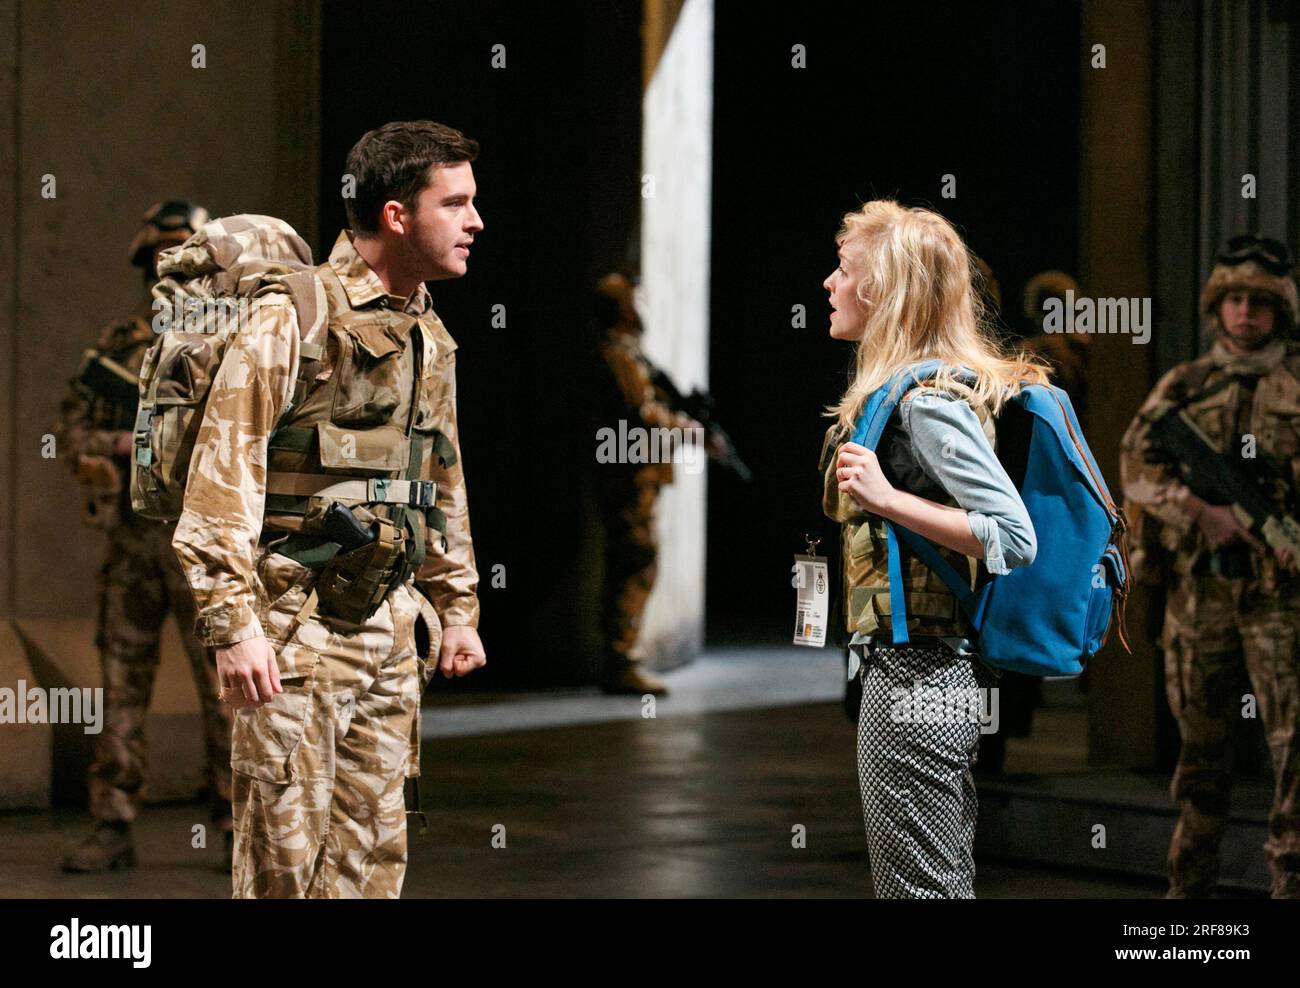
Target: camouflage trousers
{"points": [[1212, 626], [631, 562], [141, 581], [320, 769]]}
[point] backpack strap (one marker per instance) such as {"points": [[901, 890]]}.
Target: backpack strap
{"points": [[870, 427], [312, 306]]}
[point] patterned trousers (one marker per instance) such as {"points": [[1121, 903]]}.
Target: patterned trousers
{"points": [[631, 562], [918, 734], [320, 769], [140, 583], [1214, 629]]}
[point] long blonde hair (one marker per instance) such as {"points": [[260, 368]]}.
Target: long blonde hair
{"points": [[919, 296]]}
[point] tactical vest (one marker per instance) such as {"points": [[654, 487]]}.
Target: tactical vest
{"points": [[360, 431], [931, 607]]}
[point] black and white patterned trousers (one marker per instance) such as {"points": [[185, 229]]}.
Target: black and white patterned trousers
{"points": [[917, 740]]}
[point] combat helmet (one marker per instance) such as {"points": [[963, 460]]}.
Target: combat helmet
{"points": [[1252, 262], [170, 222]]}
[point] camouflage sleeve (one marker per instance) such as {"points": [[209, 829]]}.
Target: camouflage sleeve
{"points": [[637, 391], [75, 430], [449, 577], [216, 537], [1152, 486]]}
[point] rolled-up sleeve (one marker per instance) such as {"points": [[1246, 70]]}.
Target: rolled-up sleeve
{"points": [[950, 447]]}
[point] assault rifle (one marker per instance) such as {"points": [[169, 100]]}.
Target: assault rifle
{"points": [[1222, 479], [699, 406], [113, 384]]}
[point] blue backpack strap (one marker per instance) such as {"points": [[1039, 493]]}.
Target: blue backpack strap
{"points": [[880, 405], [897, 594], [928, 554]]}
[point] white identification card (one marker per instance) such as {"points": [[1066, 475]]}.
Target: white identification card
{"points": [[812, 600]]}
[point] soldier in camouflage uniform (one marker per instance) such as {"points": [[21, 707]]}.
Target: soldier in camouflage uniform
{"points": [[141, 581], [1231, 599], [327, 725], [629, 492]]}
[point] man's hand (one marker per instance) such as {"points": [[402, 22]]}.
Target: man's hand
{"points": [[1221, 526], [248, 673], [462, 651], [717, 447]]}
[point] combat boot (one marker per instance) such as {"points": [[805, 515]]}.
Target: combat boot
{"points": [[109, 847], [630, 679]]}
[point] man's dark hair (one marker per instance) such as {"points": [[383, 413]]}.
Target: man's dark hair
{"points": [[395, 162]]}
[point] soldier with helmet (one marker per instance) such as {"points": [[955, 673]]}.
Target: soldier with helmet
{"points": [[141, 581], [628, 493], [1232, 599]]}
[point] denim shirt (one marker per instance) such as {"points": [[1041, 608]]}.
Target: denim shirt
{"points": [[944, 451]]}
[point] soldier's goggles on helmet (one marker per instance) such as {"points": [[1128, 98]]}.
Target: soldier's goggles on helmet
{"points": [[1271, 254], [176, 215]]}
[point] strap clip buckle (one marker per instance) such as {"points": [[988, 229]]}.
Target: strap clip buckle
{"points": [[422, 494]]}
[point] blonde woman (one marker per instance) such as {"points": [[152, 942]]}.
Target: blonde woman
{"points": [[903, 291]]}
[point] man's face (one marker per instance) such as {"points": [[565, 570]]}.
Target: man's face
{"points": [[847, 318], [1247, 317], [444, 221]]}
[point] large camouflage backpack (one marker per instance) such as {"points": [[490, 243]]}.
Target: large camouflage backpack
{"points": [[205, 295]]}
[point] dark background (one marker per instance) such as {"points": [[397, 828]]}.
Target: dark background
{"points": [[558, 178], [993, 100], [892, 99]]}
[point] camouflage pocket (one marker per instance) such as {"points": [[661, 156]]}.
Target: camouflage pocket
{"points": [[862, 541], [377, 387], [383, 449], [1283, 424], [1211, 415], [175, 379], [285, 585], [265, 740]]}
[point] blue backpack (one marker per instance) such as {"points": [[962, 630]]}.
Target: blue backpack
{"points": [[1050, 617]]}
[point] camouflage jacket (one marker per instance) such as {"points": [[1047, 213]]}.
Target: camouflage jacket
{"points": [[639, 398], [217, 536], [91, 420], [1157, 501]]}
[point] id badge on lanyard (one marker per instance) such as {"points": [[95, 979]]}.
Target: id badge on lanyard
{"points": [[811, 581]]}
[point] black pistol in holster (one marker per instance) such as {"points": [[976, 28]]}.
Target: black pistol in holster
{"points": [[1220, 479], [370, 561]]}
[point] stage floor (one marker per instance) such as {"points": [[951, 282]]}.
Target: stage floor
{"points": [[693, 804]]}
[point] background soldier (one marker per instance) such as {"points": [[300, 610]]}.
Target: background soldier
{"points": [[1230, 596], [141, 580], [628, 492]]}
